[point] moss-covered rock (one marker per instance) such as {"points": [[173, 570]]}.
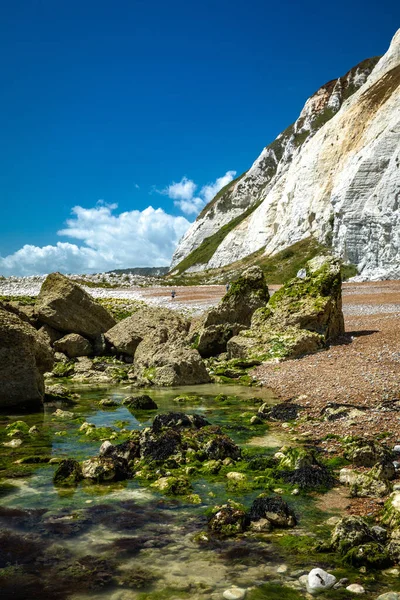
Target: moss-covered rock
{"points": [[143, 402], [371, 555], [173, 486], [68, 473], [228, 519], [274, 509], [367, 453], [233, 313], [349, 533], [299, 318]]}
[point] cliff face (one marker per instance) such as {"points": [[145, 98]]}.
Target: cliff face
{"points": [[333, 175]]}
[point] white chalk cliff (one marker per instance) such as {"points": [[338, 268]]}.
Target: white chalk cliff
{"points": [[333, 175]]}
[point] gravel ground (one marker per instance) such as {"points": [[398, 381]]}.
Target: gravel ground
{"points": [[362, 369]]}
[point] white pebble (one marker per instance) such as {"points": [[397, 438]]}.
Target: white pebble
{"points": [[234, 593], [355, 588]]}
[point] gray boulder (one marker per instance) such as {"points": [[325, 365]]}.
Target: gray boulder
{"points": [[50, 334], [24, 357], [146, 322], [233, 313], [65, 306], [167, 364], [73, 345]]}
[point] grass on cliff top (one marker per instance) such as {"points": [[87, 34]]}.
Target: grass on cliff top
{"points": [[278, 268]]}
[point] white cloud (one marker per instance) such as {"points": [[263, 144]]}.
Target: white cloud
{"points": [[183, 193], [184, 190], [110, 240]]}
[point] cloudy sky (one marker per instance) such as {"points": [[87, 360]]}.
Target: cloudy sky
{"points": [[120, 120]]}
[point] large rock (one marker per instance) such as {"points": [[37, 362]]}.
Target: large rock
{"points": [[148, 321], [73, 345], [168, 365], [233, 313], [24, 357], [65, 306], [299, 318]]}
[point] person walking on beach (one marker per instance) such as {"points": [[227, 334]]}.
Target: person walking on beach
{"points": [[228, 285], [173, 294]]}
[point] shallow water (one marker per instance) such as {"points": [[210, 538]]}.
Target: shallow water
{"points": [[124, 541]]}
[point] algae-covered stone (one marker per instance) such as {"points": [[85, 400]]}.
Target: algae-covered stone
{"points": [[228, 519], [24, 357], [17, 428], [143, 402], [274, 509], [350, 532], [367, 453], [68, 473], [299, 318], [372, 555], [233, 313], [99, 469], [65, 306], [391, 514], [173, 486], [73, 345]]}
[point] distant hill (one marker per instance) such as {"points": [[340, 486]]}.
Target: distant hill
{"points": [[144, 271]]}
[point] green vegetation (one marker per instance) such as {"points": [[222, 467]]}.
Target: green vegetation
{"points": [[278, 268], [120, 308], [348, 271], [205, 251], [25, 300]]}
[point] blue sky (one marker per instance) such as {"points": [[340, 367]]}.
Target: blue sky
{"points": [[117, 101]]}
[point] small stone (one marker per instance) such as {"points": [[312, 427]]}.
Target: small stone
{"points": [[33, 430], [396, 487], [303, 580], [235, 476], [296, 492], [397, 448], [355, 588], [279, 491], [389, 596], [282, 569], [63, 414], [392, 572], [262, 525], [234, 593], [333, 520], [15, 443], [104, 447]]}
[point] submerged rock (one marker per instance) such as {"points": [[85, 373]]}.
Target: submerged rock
{"points": [[143, 402], [178, 419], [66, 307], [24, 357], [299, 318]]}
